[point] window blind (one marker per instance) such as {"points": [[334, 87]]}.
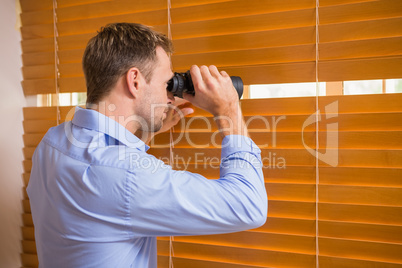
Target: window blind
{"points": [[360, 223], [359, 208], [359, 199], [274, 41], [261, 41]]}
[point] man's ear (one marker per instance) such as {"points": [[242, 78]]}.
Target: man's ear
{"points": [[134, 81]]}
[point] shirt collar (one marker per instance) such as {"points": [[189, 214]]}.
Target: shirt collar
{"points": [[94, 120]]}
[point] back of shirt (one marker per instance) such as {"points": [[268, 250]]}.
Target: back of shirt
{"points": [[79, 211]]}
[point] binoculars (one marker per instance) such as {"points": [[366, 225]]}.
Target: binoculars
{"points": [[182, 83]]}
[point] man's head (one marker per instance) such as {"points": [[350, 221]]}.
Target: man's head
{"points": [[114, 50]]}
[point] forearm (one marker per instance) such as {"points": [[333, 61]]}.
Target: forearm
{"points": [[231, 123], [241, 172], [190, 204]]}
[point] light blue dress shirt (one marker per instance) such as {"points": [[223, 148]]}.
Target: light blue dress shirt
{"points": [[99, 200]]}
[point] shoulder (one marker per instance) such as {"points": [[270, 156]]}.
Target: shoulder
{"points": [[133, 160], [92, 148]]}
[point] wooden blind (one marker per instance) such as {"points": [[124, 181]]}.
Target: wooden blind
{"points": [[360, 199], [263, 41], [358, 217], [77, 22], [271, 41], [274, 41]]}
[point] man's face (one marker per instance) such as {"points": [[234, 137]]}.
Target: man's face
{"points": [[156, 97]]}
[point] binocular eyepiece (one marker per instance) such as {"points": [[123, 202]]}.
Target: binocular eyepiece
{"points": [[181, 82]]}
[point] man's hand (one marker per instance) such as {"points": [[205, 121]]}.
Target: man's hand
{"points": [[214, 92], [174, 114]]}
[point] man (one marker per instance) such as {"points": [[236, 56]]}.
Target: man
{"points": [[94, 201]]}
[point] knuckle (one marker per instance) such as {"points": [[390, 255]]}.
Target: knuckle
{"points": [[210, 83]]}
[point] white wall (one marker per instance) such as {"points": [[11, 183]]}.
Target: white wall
{"points": [[11, 102]]}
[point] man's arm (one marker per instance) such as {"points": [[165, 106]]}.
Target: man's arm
{"points": [[169, 202], [184, 203]]}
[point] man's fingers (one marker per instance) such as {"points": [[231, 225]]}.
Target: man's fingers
{"points": [[187, 111], [182, 113], [214, 71], [206, 74], [196, 75], [224, 74]]}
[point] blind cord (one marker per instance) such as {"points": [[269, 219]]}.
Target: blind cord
{"points": [[171, 145], [169, 20], [171, 159], [317, 92], [56, 61]]}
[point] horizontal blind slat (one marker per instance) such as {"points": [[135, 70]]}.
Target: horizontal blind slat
{"points": [[251, 23], [163, 262], [360, 11], [236, 255], [109, 8], [366, 195], [90, 26], [367, 176], [235, 8], [247, 57], [28, 233], [355, 104], [288, 226], [391, 215], [27, 219], [390, 46], [256, 240], [335, 262], [28, 247], [375, 251], [246, 40], [360, 69], [371, 29], [29, 260], [361, 231], [371, 103], [341, 2]]}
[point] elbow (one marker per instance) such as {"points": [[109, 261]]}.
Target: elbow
{"points": [[259, 209], [260, 215], [261, 220], [257, 214], [254, 222], [249, 205]]}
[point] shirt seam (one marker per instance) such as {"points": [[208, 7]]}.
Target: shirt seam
{"points": [[48, 142], [128, 193]]}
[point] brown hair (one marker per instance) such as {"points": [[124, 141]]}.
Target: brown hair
{"points": [[114, 50]]}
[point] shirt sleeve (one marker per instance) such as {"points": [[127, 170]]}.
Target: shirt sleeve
{"points": [[165, 202]]}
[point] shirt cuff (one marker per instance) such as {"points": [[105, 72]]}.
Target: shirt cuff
{"points": [[237, 143]]}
